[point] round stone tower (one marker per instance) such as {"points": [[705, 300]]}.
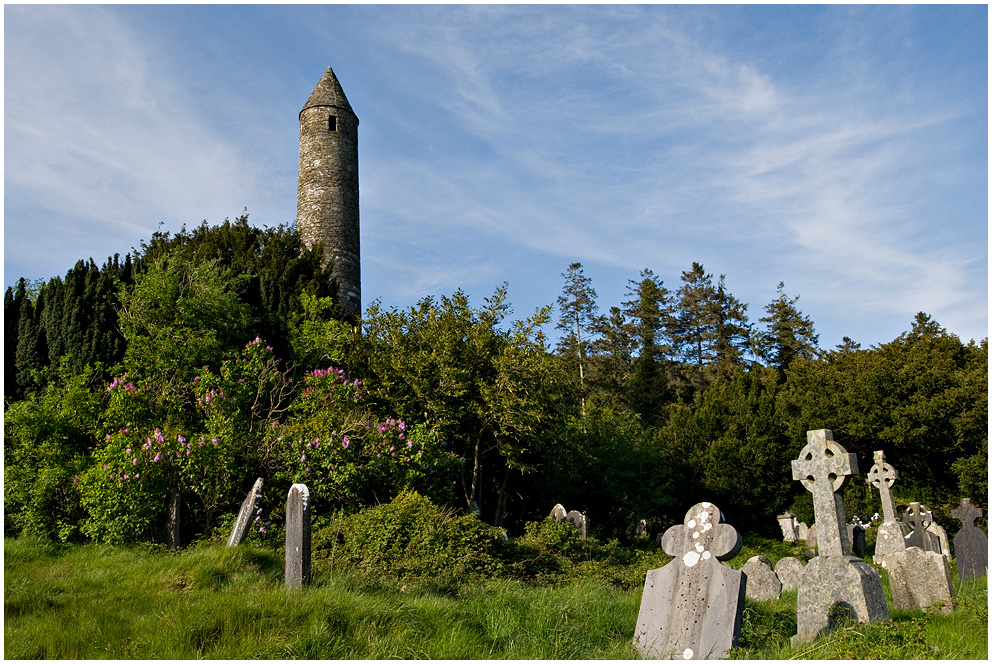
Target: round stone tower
{"points": [[327, 198]]}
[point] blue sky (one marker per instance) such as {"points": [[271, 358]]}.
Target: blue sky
{"points": [[842, 150]]}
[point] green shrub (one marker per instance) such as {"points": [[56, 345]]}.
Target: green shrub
{"points": [[412, 539]]}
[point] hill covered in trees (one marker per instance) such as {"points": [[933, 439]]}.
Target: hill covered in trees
{"points": [[143, 398]]}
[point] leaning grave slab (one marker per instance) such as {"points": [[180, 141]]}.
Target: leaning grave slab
{"points": [[692, 607], [834, 579], [249, 509]]}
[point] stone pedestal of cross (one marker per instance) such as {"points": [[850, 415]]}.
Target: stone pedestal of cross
{"points": [[890, 532], [971, 544], [834, 580], [692, 608]]}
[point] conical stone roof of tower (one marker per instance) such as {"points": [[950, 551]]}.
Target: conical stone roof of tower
{"points": [[328, 93]]}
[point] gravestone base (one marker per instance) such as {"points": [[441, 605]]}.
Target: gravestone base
{"points": [[891, 539], [829, 581], [920, 578]]}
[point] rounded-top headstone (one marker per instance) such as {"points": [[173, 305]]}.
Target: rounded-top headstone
{"points": [[788, 570], [762, 583]]}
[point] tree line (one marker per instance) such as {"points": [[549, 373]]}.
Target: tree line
{"points": [[143, 398]]}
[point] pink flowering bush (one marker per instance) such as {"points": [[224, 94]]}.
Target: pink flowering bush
{"points": [[344, 455]]}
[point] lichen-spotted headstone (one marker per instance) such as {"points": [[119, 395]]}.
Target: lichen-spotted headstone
{"points": [[247, 514], [890, 536], [558, 513], [692, 607], [971, 544], [919, 579], [298, 536], [762, 582], [834, 580]]}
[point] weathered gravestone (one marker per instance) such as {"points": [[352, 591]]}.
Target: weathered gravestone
{"points": [[811, 541], [692, 607], [762, 582], [943, 543], [856, 533], [558, 513], [789, 570], [787, 522], [802, 531], [890, 533], [971, 544], [834, 580], [298, 536], [249, 509], [580, 521], [919, 577]]}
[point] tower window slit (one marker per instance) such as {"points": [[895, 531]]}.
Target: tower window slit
{"points": [[332, 123]]}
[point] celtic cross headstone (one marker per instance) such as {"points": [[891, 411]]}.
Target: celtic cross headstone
{"points": [[834, 579], [971, 544], [890, 533], [918, 519], [823, 467], [692, 607]]}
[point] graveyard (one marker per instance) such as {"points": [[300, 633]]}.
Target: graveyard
{"points": [[412, 580], [439, 483]]}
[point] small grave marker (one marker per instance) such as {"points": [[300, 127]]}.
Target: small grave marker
{"points": [[834, 578], [692, 607], [789, 570], [246, 515], [971, 544], [580, 521], [762, 582], [298, 536], [787, 522]]}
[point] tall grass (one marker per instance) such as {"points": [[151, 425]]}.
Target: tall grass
{"points": [[96, 601]]}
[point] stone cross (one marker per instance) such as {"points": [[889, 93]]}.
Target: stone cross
{"points": [[918, 519], [890, 533], [823, 467], [298, 536], [881, 476], [971, 544], [692, 608], [245, 516], [834, 580]]}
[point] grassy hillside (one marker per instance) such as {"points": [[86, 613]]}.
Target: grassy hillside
{"points": [[99, 601]]}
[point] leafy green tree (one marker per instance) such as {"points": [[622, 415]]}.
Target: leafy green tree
{"points": [[653, 380], [732, 331], [181, 315], [48, 438], [494, 396], [610, 360], [577, 306], [788, 333], [923, 398]]}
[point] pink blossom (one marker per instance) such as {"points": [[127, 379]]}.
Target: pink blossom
{"points": [[135, 462]]}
